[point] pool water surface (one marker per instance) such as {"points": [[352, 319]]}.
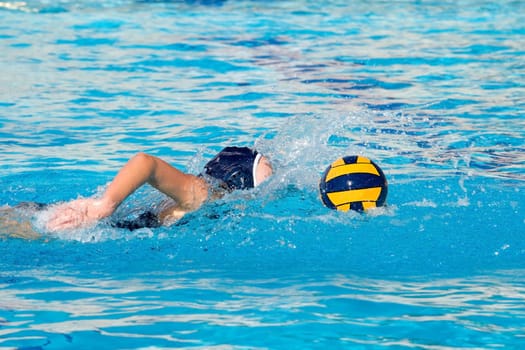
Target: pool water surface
{"points": [[432, 91]]}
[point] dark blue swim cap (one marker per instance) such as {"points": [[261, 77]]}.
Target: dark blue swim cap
{"points": [[235, 167]]}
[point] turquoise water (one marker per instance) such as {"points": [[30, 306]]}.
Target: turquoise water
{"points": [[433, 91]]}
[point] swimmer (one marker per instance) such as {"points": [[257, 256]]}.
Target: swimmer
{"points": [[233, 168]]}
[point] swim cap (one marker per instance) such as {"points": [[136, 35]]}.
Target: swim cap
{"points": [[235, 167]]}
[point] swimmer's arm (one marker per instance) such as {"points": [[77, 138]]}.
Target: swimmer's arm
{"points": [[172, 214], [13, 224], [188, 190]]}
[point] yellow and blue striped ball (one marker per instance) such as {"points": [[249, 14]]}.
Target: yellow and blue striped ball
{"points": [[353, 183]]}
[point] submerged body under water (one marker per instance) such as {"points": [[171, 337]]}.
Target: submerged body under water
{"points": [[432, 92]]}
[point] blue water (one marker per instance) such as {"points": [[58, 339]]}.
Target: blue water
{"points": [[433, 91]]}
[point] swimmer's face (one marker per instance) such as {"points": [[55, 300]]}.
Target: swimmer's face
{"points": [[264, 170]]}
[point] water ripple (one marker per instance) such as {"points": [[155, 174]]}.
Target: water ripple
{"points": [[340, 307]]}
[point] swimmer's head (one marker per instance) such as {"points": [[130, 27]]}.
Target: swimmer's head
{"points": [[239, 168], [263, 170]]}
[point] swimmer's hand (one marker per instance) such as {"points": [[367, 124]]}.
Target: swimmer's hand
{"points": [[78, 213]]}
